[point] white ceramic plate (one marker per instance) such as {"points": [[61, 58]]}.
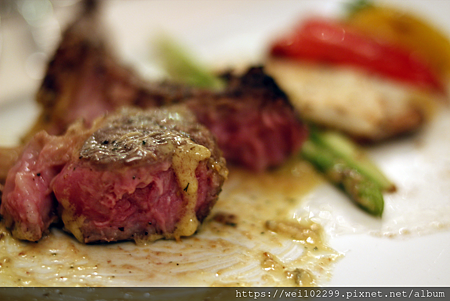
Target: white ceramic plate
{"points": [[409, 246]]}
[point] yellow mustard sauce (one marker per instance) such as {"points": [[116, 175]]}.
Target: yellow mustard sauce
{"points": [[254, 236], [184, 162]]}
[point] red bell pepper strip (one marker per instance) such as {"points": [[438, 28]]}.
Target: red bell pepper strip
{"points": [[332, 42]]}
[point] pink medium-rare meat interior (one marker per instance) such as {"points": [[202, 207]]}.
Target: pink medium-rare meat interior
{"points": [[118, 180]]}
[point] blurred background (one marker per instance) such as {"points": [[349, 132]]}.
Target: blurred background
{"points": [[30, 30]]}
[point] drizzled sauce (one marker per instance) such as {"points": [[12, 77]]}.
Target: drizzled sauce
{"points": [[184, 162], [253, 237]]}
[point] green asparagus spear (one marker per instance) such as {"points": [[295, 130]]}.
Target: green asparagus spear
{"points": [[352, 154], [362, 190], [181, 67]]}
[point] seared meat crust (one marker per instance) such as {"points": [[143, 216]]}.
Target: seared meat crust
{"points": [[132, 175]]}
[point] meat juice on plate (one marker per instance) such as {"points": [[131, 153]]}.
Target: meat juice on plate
{"points": [[251, 238]]}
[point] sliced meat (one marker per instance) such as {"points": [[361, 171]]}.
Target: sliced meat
{"points": [[136, 174], [82, 78], [253, 120], [28, 206], [255, 125]]}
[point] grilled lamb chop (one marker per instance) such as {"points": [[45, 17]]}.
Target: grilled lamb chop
{"points": [[254, 123], [135, 174]]}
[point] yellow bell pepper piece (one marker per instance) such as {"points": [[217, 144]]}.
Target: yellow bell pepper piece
{"points": [[401, 28]]}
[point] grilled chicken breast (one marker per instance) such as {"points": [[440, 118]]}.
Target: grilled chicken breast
{"points": [[360, 104]]}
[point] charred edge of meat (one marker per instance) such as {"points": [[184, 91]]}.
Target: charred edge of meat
{"points": [[80, 41], [254, 79], [132, 135], [255, 124], [77, 41], [133, 175]]}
